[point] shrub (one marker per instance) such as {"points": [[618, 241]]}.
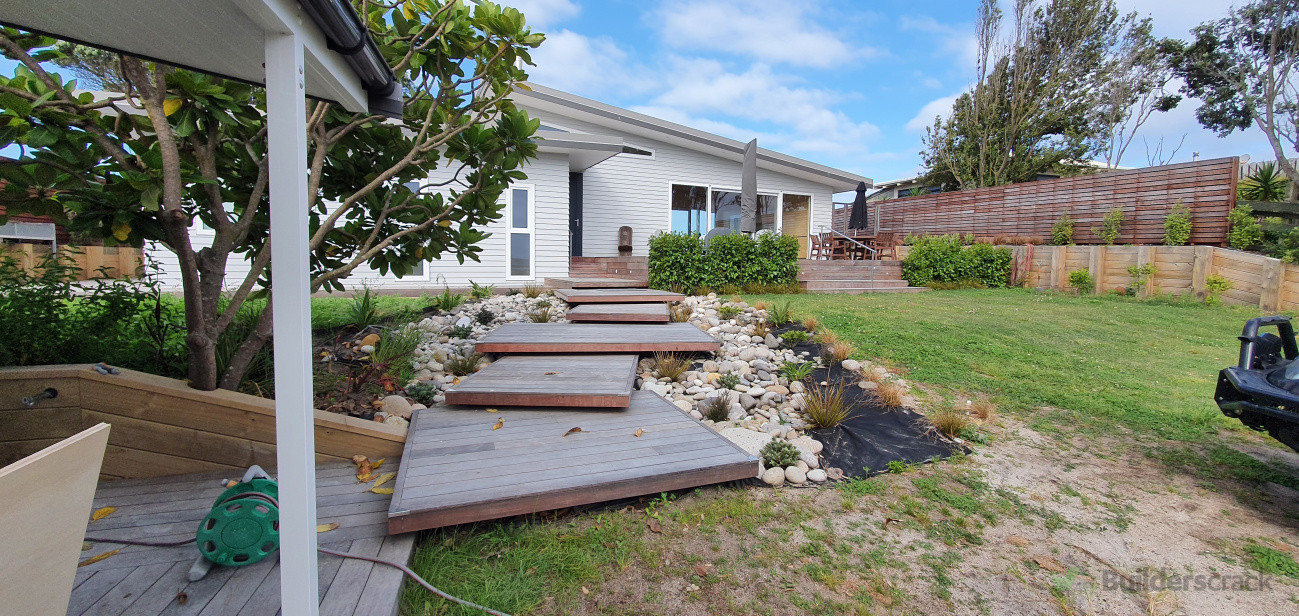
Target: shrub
{"points": [[726, 261], [827, 406], [1111, 226], [728, 381], [1280, 240], [484, 316], [774, 261], [464, 332], [794, 336], [715, 408], [779, 453], [670, 365], [364, 309], [1177, 225], [463, 365], [728, 312], [422, 392], [942, 258], [1141, 276], [732, 263], [796, 370], [1244, 231], [481, 291], [447, 301], [1214, 286], [955, 286], [1062, 231], [1081, 280], [675, 261], [950, 421]]}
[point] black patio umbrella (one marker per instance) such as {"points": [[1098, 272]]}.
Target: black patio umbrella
{"points": [[857, 217]]}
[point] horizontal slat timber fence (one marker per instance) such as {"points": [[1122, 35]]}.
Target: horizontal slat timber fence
{"points": [[162, 426], [1029, 209], [120, 261]]}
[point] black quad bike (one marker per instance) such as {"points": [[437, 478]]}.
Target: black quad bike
{"points": [[1262, 391]]}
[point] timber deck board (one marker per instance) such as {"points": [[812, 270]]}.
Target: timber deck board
{"points": [[457, 469], [616, 296], [596, 338], [596, 283], [147, 581], [619, 313], [550, 380]]}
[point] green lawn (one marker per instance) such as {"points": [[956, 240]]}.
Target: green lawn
{"points": [[1147, 365]]}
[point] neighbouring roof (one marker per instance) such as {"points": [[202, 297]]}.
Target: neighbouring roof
{"points": [[595, 112]]}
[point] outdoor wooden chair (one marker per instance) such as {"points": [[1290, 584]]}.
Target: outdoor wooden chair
{"points": [[817, 250], [838, 248], [885, 245]]}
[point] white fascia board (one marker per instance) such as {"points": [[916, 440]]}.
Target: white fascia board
{"points": [[325, 69]]}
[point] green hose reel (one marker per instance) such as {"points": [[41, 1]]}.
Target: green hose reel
{"points": [[243, 526]]}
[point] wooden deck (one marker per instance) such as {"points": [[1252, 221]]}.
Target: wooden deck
{"points": [[616, 296], [596, 283], [152, 581], [550, 380], [458, 469], [596, 338], [619, 313]]}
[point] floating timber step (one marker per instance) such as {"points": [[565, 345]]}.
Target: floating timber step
{"points": [[619, 313], [550, 380], [616, 296], [596, 338], [457, 469], [597, 283]]}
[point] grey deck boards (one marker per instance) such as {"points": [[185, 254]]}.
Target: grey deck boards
{"points": [[149, 581], [596, 283], [596, 338], [550, 380], [616, 296], [619, 313], [456, 469]]}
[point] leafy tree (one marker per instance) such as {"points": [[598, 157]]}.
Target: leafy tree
{"points": [[1043, 98], [1243, 68], [181, 146], [1137, 87]]}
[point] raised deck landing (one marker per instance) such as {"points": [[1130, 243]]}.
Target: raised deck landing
{"points": [[550, 380], [149, 581], [596, 338], [616, 296], [596, 283], [457, 469], [619, 313]]}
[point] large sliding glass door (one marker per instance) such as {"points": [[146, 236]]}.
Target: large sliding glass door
{"points": [[699, 209], [796, 219]]}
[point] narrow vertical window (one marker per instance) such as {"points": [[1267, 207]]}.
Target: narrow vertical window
{"points": [[519, 241]]}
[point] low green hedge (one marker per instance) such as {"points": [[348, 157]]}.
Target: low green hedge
{"points": [[678, 261], [943, 259]]}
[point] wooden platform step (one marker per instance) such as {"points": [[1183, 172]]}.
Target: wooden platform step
{"points": [[596, 283], [619, 313], [456, 469], [616, 296], [602, 381], [596, 338]]}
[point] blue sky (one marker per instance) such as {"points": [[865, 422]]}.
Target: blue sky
{"points": [[842, 83]]}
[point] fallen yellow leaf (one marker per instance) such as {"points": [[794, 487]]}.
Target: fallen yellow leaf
{"points": [[639, 432], [324, 528], [385, 478], [102, 513], [377, 464], [572, 431], [586, 591], [493, 410], [98, 557], [500, 423], [455, 381], [381, 490]]}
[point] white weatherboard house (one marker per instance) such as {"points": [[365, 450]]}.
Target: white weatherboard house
{"points": [[600, 168]]}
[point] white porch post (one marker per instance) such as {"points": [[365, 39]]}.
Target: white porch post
{"points": [[291, 306]]}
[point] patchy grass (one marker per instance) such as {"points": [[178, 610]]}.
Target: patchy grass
{"points": [[1102, 360], [335, 310]]}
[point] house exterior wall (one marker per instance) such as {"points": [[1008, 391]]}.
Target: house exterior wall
{"points": [[634, 190], [547, 178]]}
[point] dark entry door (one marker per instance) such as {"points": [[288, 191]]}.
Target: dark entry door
{"points": [[575, 213]]}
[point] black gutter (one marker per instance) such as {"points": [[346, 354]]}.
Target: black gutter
{"points": [[346, 34]]}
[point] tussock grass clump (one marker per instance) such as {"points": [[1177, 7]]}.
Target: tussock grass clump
{"points": [[811, 323], [781, 314], [670, 365], [542, 314], [463, 365], [825, 337], [761, 329], [533, 291], [837, 351], [761, 305], [950, 420], [890, 394], [715, 408], [364, 309], [983, 408], [827, 405], [679, 313]]}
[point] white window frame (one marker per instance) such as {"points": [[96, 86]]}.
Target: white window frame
{"points": [[531, 230], [710, 219]]}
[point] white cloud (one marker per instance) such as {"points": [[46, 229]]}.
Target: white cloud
{"points": [[956, 42], [573, 62], [543, 13], [930, 82], [1177, 18], [939, 107], [765, 30]]}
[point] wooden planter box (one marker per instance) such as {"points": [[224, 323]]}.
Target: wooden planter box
{"points": [[163, 427]]}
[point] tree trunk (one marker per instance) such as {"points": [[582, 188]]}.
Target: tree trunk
{"points": [[248, 349]]}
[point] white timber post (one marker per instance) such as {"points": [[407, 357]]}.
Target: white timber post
{"points": [[295, 441]]}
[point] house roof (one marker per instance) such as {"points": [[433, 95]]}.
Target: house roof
{"points": [[595, 112]]}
